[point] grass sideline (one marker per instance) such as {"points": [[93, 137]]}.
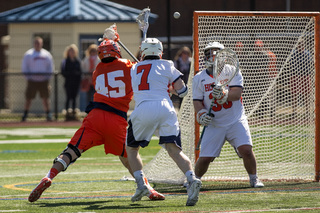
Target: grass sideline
{"points": [[96, 183]]}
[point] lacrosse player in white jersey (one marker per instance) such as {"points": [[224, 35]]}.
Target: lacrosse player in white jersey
{"points": [[227, 120], [153, 111]]}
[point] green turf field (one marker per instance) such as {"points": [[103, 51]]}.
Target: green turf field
{"points": [[99, 183]]}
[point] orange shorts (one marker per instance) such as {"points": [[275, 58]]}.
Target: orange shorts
{"points": [[101, 127], [301, 84]]}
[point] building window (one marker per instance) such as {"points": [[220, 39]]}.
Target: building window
{"points": [[86, 41]]}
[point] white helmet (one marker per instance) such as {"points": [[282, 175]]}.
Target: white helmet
{"points": [[211, 50], [151, 47]]}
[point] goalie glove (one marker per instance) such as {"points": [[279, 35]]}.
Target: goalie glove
{"points": [[203, 117], [220, 94]]}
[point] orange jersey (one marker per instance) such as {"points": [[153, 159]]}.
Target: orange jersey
{"points": [[112, 82], [272, 64]]}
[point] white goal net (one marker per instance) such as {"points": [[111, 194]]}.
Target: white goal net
{"points": [[277, 55]]}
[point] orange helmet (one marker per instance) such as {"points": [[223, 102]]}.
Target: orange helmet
{"points": [[109, 49]]}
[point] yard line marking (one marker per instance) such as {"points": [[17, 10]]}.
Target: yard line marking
{"points": [[45, 141], [69, 173], [34, 141]]}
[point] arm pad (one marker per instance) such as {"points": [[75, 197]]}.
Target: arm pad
{"points": [[183, 91]]}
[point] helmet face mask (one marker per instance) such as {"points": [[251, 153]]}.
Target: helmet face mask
{"points": [[151, 47], [109, 49], [210, 51]]}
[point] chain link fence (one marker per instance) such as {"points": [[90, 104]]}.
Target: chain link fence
{"points": [[12, 99]]}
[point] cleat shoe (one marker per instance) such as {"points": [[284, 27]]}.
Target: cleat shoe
{"points": [[256, 183], [193, 192], [140, 193], [154, 195], [36, 192]]}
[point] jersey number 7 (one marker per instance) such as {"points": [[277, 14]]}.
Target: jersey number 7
{"points": [[145, 70]]}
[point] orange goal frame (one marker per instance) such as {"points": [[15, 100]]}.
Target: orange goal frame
{"points": [[316, 15]]}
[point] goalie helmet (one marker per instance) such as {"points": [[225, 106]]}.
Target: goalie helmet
{"points": [[151, 47], [210, 51], [109, 49]]}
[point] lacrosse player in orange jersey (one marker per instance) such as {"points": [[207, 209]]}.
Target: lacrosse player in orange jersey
{"points": [[106, 121]]}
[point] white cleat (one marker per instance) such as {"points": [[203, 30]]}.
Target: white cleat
{"points": [[140, 193], [193, 192], [256, 183]]}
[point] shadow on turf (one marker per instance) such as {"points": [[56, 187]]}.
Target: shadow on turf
{"points": [[231, 185], [95, 205]]}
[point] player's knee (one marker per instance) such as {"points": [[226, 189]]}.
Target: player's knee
{"points": [[205, 160], [66, 159], [246, 151]]}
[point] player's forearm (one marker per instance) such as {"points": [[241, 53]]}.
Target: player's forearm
{"points": [[198, 105], [234, 94]]}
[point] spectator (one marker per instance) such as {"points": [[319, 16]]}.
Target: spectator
{"points": [[239, 49], [268, 71], [182, 61], [89, 64], [71, 71], [301, 85], [37, 66]]}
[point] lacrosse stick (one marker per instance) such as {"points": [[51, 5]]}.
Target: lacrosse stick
{"points": [[111, 34], [225, 67], [142, 20]]}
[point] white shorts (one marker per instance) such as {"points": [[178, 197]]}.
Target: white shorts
{"points": [[150, 116], [213, 139]]}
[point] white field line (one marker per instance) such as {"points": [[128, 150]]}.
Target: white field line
{"points": [[69, 173], [34, 141], [44, 141]]}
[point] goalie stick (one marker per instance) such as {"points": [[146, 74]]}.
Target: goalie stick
{"points": [[225, 67]]}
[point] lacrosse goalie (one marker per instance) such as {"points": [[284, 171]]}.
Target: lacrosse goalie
{"points": [[226, 120]]}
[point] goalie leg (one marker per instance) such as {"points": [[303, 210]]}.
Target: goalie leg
{"points": [[60, 163], [250, 165]]}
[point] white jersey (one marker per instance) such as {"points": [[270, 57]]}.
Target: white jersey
{"points": [[225, 114], [151, 78]]}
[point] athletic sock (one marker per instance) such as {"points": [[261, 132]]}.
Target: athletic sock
{"points": [[190, 176], [253, 177], [139, 176], [52, 173]]}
